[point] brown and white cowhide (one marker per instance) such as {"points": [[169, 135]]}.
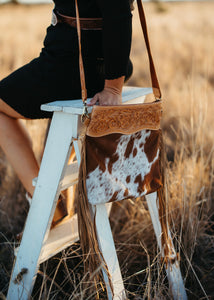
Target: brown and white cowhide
{"points": [[122, 166]]}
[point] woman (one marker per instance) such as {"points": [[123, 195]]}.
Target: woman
{"points": [[54, 75]]}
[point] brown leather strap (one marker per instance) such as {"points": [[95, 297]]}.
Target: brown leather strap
{"points": [[85, 23], [82, 73], [155, 84]]}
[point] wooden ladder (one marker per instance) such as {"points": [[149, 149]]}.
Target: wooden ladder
{"points": [[39, 243]]}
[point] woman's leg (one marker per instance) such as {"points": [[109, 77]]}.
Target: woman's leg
{"points": [[17, 146]]}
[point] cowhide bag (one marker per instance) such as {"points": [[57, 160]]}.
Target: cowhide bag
{"points": [[121, 154]]}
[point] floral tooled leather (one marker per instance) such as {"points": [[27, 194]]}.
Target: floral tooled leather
{"points": [[125, 119]]}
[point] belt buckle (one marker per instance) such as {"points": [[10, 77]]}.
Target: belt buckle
{"points": [[53, 19]]}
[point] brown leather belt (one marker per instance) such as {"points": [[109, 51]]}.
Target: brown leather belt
{"points": [[85, 23]]}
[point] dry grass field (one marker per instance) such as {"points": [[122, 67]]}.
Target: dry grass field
{"points": [[182, 42]]}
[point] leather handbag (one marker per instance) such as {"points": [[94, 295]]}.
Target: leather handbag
{"points": [[121, 154]]}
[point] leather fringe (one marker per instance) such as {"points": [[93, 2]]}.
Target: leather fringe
{"points": [[163, 215], [93, 259]]}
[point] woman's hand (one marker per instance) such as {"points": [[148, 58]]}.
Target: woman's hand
{"points": [[107, 96], [111, 94]]}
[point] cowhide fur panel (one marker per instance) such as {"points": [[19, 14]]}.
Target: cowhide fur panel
{"points": [[122, 166]]}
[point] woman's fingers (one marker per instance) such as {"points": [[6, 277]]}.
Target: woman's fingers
{"points": [[94, 100]]}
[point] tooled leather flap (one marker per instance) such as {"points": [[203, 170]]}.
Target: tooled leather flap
{"points": [[125, 119]]}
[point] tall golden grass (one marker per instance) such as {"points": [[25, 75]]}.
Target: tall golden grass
{"points": [[182, 42]]}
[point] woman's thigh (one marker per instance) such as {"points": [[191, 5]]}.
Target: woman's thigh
{"points": [[47, 79]]}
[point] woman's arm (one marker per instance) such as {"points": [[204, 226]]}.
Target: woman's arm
{"points": [[117, 30]]}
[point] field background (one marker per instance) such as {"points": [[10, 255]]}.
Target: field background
{"points": [[182, 42]]}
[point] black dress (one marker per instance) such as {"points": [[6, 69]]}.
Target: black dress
{"points": [[54, 75]]}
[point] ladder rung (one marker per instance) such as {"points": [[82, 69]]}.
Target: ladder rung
{"points": [[70, 178]]}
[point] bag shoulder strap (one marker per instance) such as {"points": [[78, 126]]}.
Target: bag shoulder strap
{"points": [[154, 79], [153, 74], [81, 67]]}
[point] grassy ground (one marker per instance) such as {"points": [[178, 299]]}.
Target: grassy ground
{"points": [[182, 43]]}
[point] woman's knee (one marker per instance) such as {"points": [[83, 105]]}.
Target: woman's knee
{"points": [[9, 111]]}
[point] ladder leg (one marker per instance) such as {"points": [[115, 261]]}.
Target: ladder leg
{"points": [[108, 250], [43, 206], [171, 262]]}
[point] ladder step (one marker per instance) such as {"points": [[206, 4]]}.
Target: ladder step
{"points": [[62, 236], [59, 238], [70, 177]]}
